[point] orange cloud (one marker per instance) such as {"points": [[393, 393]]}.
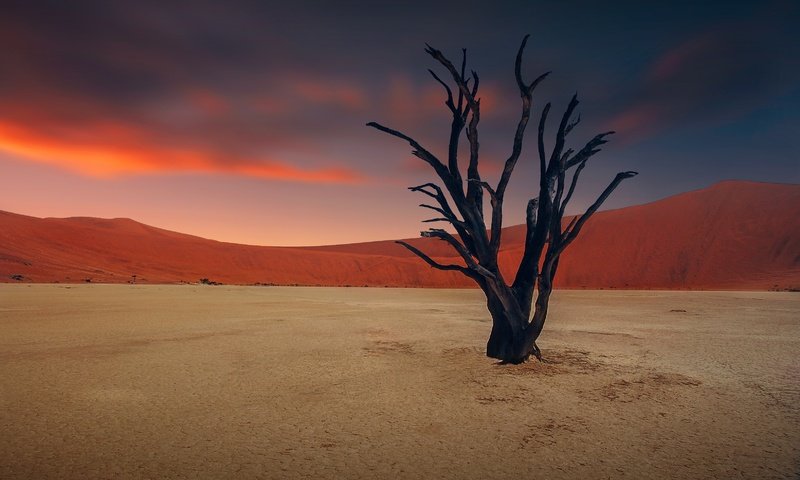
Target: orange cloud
{"points": [[113, 155]]}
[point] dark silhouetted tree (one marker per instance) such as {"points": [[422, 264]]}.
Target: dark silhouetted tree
{"points": [[514, 331]]}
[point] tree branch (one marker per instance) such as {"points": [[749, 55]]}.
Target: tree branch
{"points": [[591, 147], [421, 188], [473, 108], [571, 234], [526, 93], [433, 263], [458, 247], [449, 101], [562, 132], [447, 217], [473, 189], [530, 215], [474, 92], [419, 150], [572, 125], [571, 190], [440, 197], [438, 219], [463, 72], [461, 226], [437, 209], [571, 224], [542, 155], [458, 77], [492, 193]]}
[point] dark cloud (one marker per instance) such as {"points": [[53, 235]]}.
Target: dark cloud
{"points": [[285, 88], [716, 76]]}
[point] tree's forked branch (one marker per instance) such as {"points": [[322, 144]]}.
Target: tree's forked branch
{"points": [[571, 190], [572, 233], [572, 125], [485, 185], [458, 247], [561, 135], [421, 189], [438, 195], [591, 147], [473, 108], [448, 217], [459, 77], [526, 93], [463, 72], [437, 209], [449, 101], [570, 225], [419, 150], [433, 263]]}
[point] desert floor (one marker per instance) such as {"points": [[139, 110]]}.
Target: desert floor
{"points": [[122, 381]]}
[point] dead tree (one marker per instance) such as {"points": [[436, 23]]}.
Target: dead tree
{"points": [[514, 332]]}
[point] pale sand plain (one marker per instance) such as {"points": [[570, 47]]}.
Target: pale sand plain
{"points": [[121, 381]]}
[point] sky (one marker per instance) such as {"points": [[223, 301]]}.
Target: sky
{"points": [[244, 120]]}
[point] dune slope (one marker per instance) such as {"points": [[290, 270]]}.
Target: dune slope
{"points": [[733, 235]]}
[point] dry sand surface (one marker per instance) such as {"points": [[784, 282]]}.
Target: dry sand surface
{"points": [[121, 381]]}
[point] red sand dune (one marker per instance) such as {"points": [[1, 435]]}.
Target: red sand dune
{"points": [[733, 235]]}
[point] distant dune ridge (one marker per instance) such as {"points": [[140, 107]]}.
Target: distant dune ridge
{"points": [[732, 235]]}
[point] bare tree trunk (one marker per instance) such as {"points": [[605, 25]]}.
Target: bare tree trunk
{"points": [[510, 339], [514, 333], [505, 340], [540, 313]]}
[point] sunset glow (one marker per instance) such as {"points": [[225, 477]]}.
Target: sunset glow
{"points": [[143, 99], [115, 158]]}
